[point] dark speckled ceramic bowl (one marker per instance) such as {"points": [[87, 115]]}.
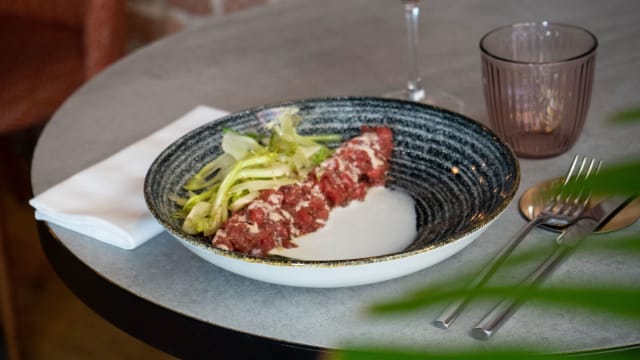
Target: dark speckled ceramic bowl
{"points": [[460, 174]]}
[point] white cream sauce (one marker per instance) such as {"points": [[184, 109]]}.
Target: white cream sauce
{"points": [[385, 222]]}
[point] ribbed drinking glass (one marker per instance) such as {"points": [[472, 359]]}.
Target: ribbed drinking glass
{"points": [[537, 80]]}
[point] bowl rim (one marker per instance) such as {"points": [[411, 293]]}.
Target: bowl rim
{"points": [[299, 263]]}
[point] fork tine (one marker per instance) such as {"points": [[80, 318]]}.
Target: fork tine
{"points": [[582, 174], [572, 199], [572, 168], [578, 198], [594, 168], [559, 200]]}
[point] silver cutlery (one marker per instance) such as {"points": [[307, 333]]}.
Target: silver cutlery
{"points": [[565, 244], [562, 209]]}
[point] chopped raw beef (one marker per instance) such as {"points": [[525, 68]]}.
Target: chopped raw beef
{"points": [[277, 216]]}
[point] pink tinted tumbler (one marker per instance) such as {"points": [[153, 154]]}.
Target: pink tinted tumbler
{"points": [[537, 80]]}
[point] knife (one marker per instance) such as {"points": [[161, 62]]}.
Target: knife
{"points": [[589, 221]]}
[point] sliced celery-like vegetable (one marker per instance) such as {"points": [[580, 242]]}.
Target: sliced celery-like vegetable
{"points": [[323, 137], [257, 185], [200, 179], [197, 215], [273, 171], [243, 201], [239, 145], [249, 164]]}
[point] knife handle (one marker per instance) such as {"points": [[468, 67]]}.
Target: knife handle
{"points": [[491, 322]]}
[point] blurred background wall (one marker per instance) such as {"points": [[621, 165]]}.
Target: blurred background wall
{"points": [[151, 19]]}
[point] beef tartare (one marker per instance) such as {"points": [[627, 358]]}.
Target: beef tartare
{"points": [[276, 217]]}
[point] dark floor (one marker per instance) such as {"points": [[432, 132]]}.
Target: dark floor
{"points": [[51, 322]]}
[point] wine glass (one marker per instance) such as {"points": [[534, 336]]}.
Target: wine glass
{"points": [[414, 90]]}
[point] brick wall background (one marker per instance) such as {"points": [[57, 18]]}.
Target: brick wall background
{"points": [[149, 20]]}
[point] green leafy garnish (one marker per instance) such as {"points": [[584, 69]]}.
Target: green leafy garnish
{"points": [[250, 163]]}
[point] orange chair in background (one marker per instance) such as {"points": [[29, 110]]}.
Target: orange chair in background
{"points": [[48, 48]]}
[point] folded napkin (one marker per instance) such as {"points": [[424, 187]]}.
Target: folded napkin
{"points": [[106, 200]]}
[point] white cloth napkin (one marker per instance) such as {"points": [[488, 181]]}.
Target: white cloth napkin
{"points": [[106, 200]]}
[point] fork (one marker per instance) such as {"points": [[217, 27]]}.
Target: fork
{"points": [[562, 209]]}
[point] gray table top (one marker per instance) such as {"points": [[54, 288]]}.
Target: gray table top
{"points": [[297, 49]]}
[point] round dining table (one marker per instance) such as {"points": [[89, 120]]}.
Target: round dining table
{"points": [[170, 298]]}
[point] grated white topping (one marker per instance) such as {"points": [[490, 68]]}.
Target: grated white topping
{"points": [[302, 204], [253, 228], [273, 216], [275, 198], [375, 161]]}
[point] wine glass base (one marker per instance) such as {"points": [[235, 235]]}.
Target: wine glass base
{"points": [[435, 98]]}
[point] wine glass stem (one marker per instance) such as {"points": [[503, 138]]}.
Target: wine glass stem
{"points": [[414, 86]]}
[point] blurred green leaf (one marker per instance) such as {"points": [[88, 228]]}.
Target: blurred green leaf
{"points": [[621, 178], [377, 353], [404, 354], [626, 244], [621, 301], [627, 116], [450, 289]]}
